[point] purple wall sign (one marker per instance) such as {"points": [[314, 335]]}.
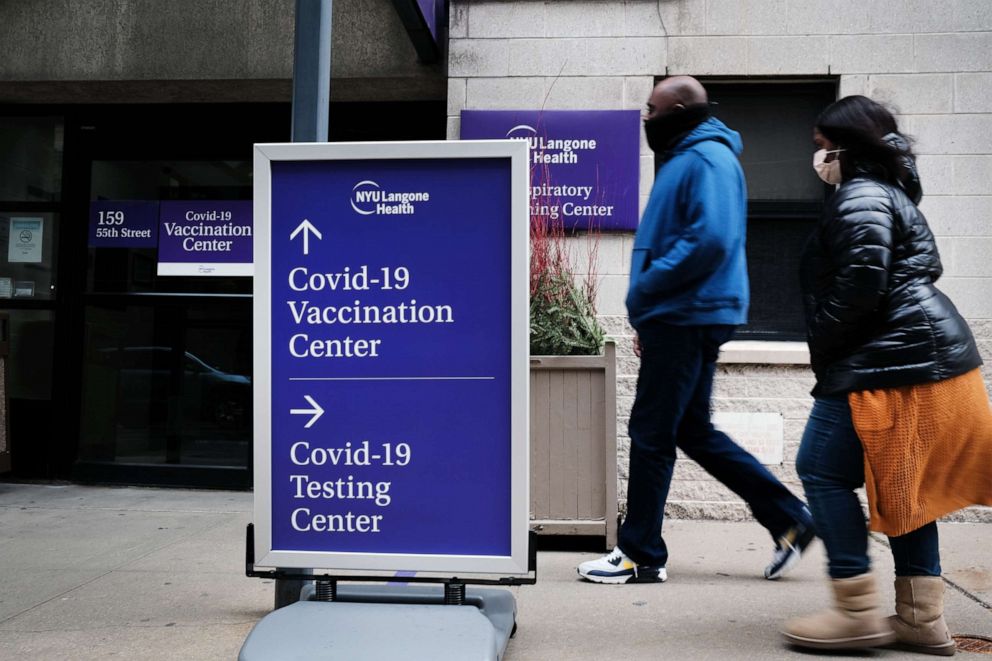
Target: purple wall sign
{"points": [[584, 163], [123, 224], [205, 238], [431, 10]]}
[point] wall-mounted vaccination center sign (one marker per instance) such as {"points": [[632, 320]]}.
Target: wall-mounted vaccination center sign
{"points": [[193, 237], [391, 366], [205, 238], [584, 163]]}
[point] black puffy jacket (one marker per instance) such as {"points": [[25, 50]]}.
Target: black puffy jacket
{"points": [[874, 318]]}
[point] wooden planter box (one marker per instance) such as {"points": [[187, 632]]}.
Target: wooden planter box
{"points": [[573, 445]]}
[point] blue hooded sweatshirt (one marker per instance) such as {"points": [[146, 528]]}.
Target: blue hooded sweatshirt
{"points": [[688, 266]]}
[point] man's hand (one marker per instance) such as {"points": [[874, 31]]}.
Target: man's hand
{"points": [[637, 344]]}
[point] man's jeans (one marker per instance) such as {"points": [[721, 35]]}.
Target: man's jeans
{"points": [[672, 407], [831, 466]]}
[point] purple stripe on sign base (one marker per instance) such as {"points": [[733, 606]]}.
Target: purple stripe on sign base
{"points": [[402, 574]]}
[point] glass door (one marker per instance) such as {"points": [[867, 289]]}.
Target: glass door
{"points": [[31, 204], [166, 362]]}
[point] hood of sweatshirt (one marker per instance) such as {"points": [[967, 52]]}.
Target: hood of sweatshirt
{"points": [[711, 129]]}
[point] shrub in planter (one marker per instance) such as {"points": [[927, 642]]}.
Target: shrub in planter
{"points": [[562, 311]]}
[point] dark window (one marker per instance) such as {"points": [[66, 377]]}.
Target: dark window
{"points": [[31, 158], [785, 197], [168, 383]]}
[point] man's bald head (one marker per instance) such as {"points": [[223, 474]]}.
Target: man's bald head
{"points": [[674, 93], [677, 106]]}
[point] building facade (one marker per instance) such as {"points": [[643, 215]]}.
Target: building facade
{"points": [[772, 65], [126, 99], [116, 372]]}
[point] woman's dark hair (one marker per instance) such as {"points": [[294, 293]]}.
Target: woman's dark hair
{"points": [[870, 137]]}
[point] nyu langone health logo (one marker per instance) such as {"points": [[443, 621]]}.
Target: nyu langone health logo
{"points": [[551, 150], [368, 198]]}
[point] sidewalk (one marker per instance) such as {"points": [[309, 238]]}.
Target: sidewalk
{"points": [[97, 573]]}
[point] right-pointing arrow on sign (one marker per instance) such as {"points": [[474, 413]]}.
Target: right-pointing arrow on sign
{"points": [[306, 227], [316, 411]]}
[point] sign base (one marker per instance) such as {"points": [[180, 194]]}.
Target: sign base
{"points": [[379, 622]]}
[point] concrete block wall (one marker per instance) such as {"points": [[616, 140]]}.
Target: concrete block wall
{"points": [[933, 66], [126, 51], [126, 40]]}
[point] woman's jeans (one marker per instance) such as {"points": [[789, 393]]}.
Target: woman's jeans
{"points": [[831, 466]]}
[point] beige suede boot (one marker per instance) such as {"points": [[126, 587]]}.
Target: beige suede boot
{"points": [[853, 623], [919, 620]]}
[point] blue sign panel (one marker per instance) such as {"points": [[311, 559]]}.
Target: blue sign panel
{"points": [[390, 354], [584, 163], [123, 224], [205, 238]]}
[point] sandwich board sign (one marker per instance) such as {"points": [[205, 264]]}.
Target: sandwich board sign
{"points": [[391, 357]]}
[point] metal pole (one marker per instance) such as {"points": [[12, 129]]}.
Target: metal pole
{"points": [[311, 106], [312, 70], [287, 591]]}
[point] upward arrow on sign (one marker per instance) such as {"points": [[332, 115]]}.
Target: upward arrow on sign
{"points": [[306, 227]]}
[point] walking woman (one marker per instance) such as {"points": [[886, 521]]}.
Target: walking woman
{"points": [[900, 404]]}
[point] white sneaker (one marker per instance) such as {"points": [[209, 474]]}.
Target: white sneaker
{"points": [[789, 549], [618, 568]]}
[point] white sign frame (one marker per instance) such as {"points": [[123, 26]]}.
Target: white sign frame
{"points": [[517, 152]]}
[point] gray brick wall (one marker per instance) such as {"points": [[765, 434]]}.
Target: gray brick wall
{"points": [[933, 66]]}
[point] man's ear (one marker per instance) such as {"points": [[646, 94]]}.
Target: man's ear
{"points": [[678, 106]]}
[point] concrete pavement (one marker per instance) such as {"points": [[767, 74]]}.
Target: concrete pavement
{"points": [[129, 573]]}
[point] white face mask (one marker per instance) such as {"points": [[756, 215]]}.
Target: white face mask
{"points": [[828, 172]]}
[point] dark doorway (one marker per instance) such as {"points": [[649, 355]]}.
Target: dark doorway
{"points": [[125, 376]]}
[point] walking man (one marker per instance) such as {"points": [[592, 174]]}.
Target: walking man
{"points": [[688, 291]]}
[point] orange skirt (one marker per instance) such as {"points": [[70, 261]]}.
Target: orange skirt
{"points": [[928, 450]]}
